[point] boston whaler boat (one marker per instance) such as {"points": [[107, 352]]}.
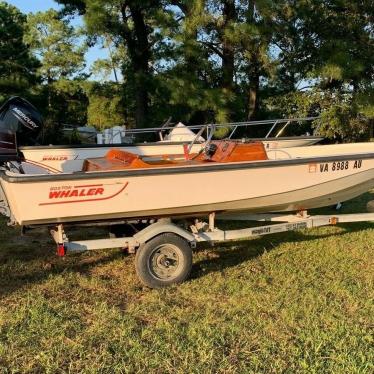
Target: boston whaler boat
{"points": [[215, 177]]}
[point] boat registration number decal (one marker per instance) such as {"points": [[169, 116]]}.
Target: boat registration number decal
{"points": [[335, 166]]}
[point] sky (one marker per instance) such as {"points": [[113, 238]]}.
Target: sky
{"points": [[27, 6]]}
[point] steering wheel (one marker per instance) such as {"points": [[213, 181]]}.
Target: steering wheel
{"points": [[203, 145]]}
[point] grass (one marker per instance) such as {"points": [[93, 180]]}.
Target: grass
{"points": [[298, 302]]}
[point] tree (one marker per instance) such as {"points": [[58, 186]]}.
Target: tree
{"points": [[326, 63], [60, 50], [130, 23], [193, 81], [218, 60], [17, 66], [56, 44], [112, 65], [105, 107]]}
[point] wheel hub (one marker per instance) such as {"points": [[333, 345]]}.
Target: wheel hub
{"points": [[164, 262]]}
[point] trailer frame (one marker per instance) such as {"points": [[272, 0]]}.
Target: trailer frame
{"points": [[174, 236], [208, 232]]}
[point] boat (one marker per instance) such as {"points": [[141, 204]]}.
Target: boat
{"points": [[123, 185], [215, 177]]}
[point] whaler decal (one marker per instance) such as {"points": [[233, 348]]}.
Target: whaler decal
{"points": [[85, 193], [76, 192], [58, 157]]}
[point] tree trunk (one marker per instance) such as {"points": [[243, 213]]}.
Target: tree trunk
{"points": [[109, 42], [253, 100], [139, 48], [141, 96], [253, 72], [142, 56], [228, 53]]}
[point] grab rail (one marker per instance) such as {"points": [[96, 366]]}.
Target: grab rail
{"points": [[272, 122]]}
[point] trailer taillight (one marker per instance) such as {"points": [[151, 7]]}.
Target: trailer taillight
{"points": [[61, 250]]}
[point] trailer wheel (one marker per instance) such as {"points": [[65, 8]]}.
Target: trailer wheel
{"points": [[163, 261]]}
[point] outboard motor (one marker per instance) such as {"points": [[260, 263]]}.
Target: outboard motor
{"points": [[20, 124]]}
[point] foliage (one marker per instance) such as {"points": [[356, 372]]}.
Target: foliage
{"points": [[60, 50], [105, 105], [364, 100], [56, 44], [129, 24], [208, 61], [109, 67], [342, 116], [342, 122], [327, 46], [17, 66]]}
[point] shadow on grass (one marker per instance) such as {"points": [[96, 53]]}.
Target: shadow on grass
{"points": [[225, 256], [28, 260], [30, 263]]}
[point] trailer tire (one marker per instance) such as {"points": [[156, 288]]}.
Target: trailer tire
{"points": [[164, 260]]}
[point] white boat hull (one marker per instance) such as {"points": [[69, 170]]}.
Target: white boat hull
{"points": [[256, 187]]}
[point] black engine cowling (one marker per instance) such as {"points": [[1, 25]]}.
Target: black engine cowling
{"points": [[20, 124]]}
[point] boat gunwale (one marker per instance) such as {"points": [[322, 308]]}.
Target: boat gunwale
{"points": [[208, 167]]}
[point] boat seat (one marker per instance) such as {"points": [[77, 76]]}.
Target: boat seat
{"points": [[115, 159], [226, 151]]}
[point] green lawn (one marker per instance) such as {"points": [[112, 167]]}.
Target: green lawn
{"points": [[299, 302]]}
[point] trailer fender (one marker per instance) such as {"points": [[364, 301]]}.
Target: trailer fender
{"points": [[158, 228]]}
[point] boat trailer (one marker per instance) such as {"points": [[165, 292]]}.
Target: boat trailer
{"points": [[164, 249]]}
